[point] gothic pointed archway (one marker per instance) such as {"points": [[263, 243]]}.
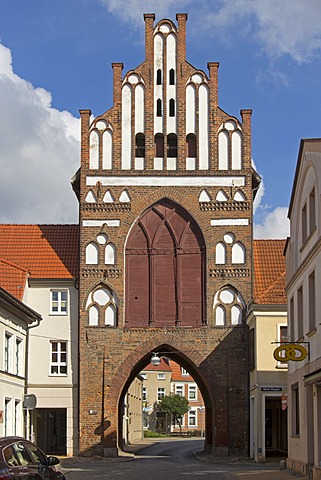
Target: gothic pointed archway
{"points": [[165, 255]]}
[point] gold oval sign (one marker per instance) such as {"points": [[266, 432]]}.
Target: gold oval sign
{"points": [[290, 351]]}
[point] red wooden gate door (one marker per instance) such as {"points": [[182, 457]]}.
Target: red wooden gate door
{"points": [[165, 255]]}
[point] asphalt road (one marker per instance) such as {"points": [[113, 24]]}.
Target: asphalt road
{"points": [[168, 460]]}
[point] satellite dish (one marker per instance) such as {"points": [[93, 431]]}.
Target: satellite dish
{"points": [[30, 401]]}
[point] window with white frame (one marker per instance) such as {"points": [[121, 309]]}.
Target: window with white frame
{"points": [[19, 357], [8, 352], [192, 418], [144, 394], [59, 302], [17, 418], [161, 376], [58, 358], [179, 389], [184, 372], [295, 412], [282, 336], [8, 417], [192, 393], [312, 296], [160, 393], [300, 312], [304, 228], [312, 222]]}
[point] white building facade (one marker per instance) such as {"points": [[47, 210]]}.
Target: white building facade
{"points": [[303, 265], [16, 320]]}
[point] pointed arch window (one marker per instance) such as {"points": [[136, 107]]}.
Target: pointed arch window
{"points": [[228, 306], [92, 254], [172, 145], [165, 281], [102, 307], [110, 253], [140, 145], [172, 76], [172, 107], [159, 145], [238, 253], [159, 107], [220, 254], [191, 145], [158, 77]]}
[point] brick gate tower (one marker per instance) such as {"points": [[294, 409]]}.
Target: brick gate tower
{"points": [[166, 191]]}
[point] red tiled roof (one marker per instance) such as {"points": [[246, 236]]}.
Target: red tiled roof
{"points": [[177, 373], [13, 278], [45, 251], [269, 272]]}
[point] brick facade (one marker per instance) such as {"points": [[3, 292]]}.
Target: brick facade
{"points": [[111, 351]]}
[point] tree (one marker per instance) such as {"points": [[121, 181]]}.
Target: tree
{"points": [[176, 405]]}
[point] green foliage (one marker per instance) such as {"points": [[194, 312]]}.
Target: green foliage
{"points": [[151, 434], [176, 405]]}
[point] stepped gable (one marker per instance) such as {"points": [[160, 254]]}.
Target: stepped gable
{"points": [[269, 272], [44, 251]]}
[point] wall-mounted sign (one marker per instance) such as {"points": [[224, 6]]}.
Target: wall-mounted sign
{"points": [[290, 351], [271, 389]]}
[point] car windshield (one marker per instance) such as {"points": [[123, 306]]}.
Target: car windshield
{"points": [[16, 455]]}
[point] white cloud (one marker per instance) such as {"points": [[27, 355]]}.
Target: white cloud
{"points": [[274, 225], [134, 14], [286, 27], [39, 152]]}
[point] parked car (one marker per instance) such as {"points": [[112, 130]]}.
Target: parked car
{"points": [[23, 460]]}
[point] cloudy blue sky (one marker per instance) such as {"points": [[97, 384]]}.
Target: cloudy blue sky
{"points": [[55, 58]]}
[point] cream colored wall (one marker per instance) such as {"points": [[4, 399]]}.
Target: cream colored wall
{"points": [[54, 391], [266, 374], [152, 383], [135, 411], [267, 332]]}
